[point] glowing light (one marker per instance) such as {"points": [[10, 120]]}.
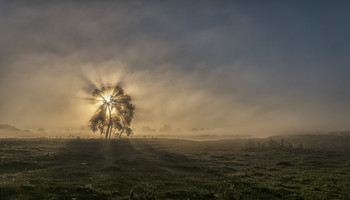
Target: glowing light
{"points": [[114, 111], [106, 98]]}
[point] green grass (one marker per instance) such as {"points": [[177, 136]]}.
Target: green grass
{"points": [[175, 169]]}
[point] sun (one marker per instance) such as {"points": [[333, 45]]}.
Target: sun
{"points": [[105, 98]]}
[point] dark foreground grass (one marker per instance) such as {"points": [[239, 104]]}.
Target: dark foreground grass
{"points": [[174, 169]]}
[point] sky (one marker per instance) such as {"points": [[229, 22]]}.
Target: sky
{"points": [[247, 67]]}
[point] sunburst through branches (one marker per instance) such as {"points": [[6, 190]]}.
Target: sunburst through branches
{"points": [[115, 111]]}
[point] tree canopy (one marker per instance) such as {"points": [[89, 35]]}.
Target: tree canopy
{"points": [[115, 111]]}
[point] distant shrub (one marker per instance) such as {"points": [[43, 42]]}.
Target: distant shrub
{"points": [[41, 130], [147, 129], [166, 128]]}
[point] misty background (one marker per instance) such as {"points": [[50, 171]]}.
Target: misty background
{"points": [[246, 67]]}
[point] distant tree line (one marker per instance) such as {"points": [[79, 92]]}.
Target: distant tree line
{"points": [[168, 128], [258, 145]]}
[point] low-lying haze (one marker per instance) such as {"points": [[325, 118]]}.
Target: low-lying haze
{"points": [[257, 67]]}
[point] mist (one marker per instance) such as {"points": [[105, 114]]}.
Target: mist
{"points": [[247, 69]]}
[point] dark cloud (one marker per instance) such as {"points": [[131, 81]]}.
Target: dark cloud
{"points": [[250, 67]]}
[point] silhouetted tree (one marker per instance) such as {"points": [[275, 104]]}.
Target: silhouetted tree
{"points": [[115, 111]]}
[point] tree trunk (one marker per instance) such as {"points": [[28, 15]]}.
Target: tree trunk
{"points": [[110, 122], [110, 131], [121, 132]]}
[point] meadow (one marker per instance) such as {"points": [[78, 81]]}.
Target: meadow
{"points": [[289, 167]]}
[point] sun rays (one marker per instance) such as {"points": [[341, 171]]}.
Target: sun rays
{"points": [[114, 113]]}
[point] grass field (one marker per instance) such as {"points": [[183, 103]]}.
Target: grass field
{"points": [[297, 167]]}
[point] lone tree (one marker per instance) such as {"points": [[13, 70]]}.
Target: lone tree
{"points": [[115, 111]]}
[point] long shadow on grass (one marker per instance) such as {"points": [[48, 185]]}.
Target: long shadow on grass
{"points": [[74, 170], [109, 169]]}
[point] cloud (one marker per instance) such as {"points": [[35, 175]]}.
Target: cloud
{"points": [[250, 68]]}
